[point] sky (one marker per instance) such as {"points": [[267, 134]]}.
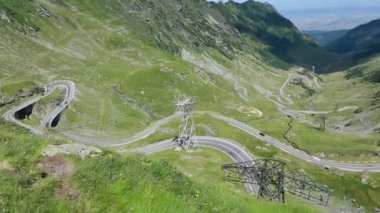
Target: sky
{"points": [[284, 5]]}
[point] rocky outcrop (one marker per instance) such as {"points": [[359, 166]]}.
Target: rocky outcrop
{"points": [[75, 149]]}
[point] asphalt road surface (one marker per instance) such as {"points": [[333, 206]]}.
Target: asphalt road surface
{"points": [[236, 152]]}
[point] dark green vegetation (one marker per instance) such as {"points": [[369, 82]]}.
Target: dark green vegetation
{"points": [[325, 37], [362, 37], [360, 47]]}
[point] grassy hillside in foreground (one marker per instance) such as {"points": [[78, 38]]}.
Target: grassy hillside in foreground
{"points": [[108, 182]]}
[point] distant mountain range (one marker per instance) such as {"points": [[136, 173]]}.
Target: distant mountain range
{"points": [[330, 19]]}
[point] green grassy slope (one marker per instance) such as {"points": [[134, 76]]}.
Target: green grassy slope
{"points": [[128, 61], [100, 54], [367, 71], [126, 79], [108, 54], [108, 182]]}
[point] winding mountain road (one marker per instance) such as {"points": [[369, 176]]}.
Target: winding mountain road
{"points": [[224, 145], [282, 90], [301, 115], [69, 86]]}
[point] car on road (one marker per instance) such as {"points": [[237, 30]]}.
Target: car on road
{"points": [[262, 134]]}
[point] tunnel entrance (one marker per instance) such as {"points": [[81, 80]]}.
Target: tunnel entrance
{"points": [[56, 120], [24, 113]]}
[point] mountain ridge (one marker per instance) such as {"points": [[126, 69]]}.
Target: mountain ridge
{"points": [[359, 49], [224, 26], [359, 38]]}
